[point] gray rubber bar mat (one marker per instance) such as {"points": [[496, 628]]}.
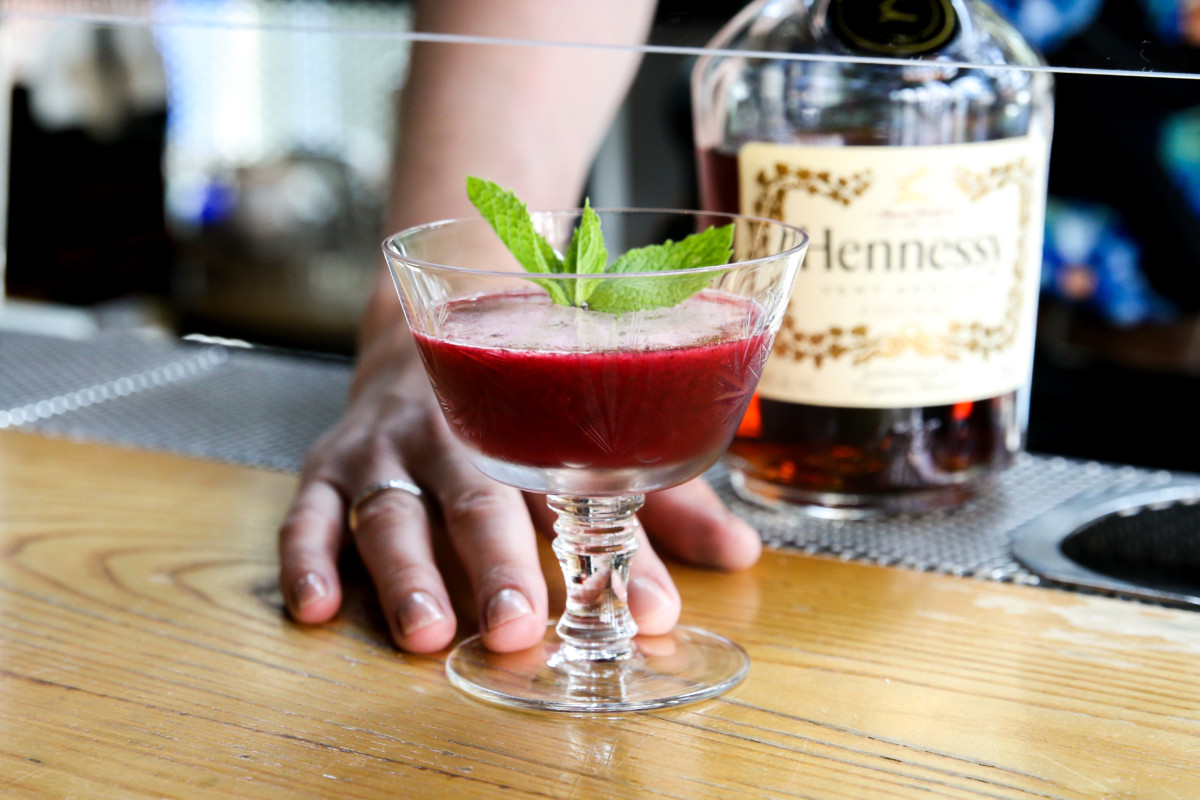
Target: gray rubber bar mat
{"points": [[264, 409], [243, 406]]}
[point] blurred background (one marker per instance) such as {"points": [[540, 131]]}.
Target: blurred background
{"points": [[220, 167], [223, 171]]}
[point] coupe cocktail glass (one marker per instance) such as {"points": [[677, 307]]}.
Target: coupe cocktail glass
{"points": [[593, 410]]}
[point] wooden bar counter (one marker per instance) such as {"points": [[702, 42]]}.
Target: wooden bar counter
{"points": [[144, 654]]}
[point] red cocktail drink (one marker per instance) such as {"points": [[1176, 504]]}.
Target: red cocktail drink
{"points": [[594, 369], [588, 400]]}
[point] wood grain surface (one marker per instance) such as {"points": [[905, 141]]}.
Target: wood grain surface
{"points": [[144, 654]]}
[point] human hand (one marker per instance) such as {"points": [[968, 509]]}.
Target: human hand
{"points": [[394, 429]]}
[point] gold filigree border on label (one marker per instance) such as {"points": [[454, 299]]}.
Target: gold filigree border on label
{"points": [[774, 188]]}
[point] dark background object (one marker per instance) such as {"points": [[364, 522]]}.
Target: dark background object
{"points": [[86, 220]]}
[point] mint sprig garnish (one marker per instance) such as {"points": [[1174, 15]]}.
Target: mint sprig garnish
{"points": [[587, 255]]}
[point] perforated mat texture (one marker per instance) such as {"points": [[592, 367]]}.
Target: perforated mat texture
{"points": [[265, 409]]}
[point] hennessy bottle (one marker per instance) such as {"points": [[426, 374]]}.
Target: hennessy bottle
{"points": [[898, 381]]}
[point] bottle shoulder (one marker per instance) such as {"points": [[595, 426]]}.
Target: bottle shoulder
{"points": [[931, 99], [806, 27]]}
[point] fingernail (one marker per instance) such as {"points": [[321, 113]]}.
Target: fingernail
{"points": [[419, 610], [646, 596], [310, 588], [505, 606]]}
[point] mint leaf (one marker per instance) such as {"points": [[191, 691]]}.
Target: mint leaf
{"points": [[511, 221], [708, 248], [586, 254], [658, 291]]}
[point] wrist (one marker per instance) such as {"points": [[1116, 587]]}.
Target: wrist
{"points": [[384, 361]]}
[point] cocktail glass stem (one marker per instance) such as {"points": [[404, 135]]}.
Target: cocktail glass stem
{"points": [[595, 543]]}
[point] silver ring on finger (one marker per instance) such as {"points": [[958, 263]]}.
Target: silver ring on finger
{"points": [[394, 484]]}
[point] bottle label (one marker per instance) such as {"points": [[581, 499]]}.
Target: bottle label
{"points": [[894, 27], [921, 279]]}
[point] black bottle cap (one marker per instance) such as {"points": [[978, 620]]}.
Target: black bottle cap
{"points": [[894, 27]]}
